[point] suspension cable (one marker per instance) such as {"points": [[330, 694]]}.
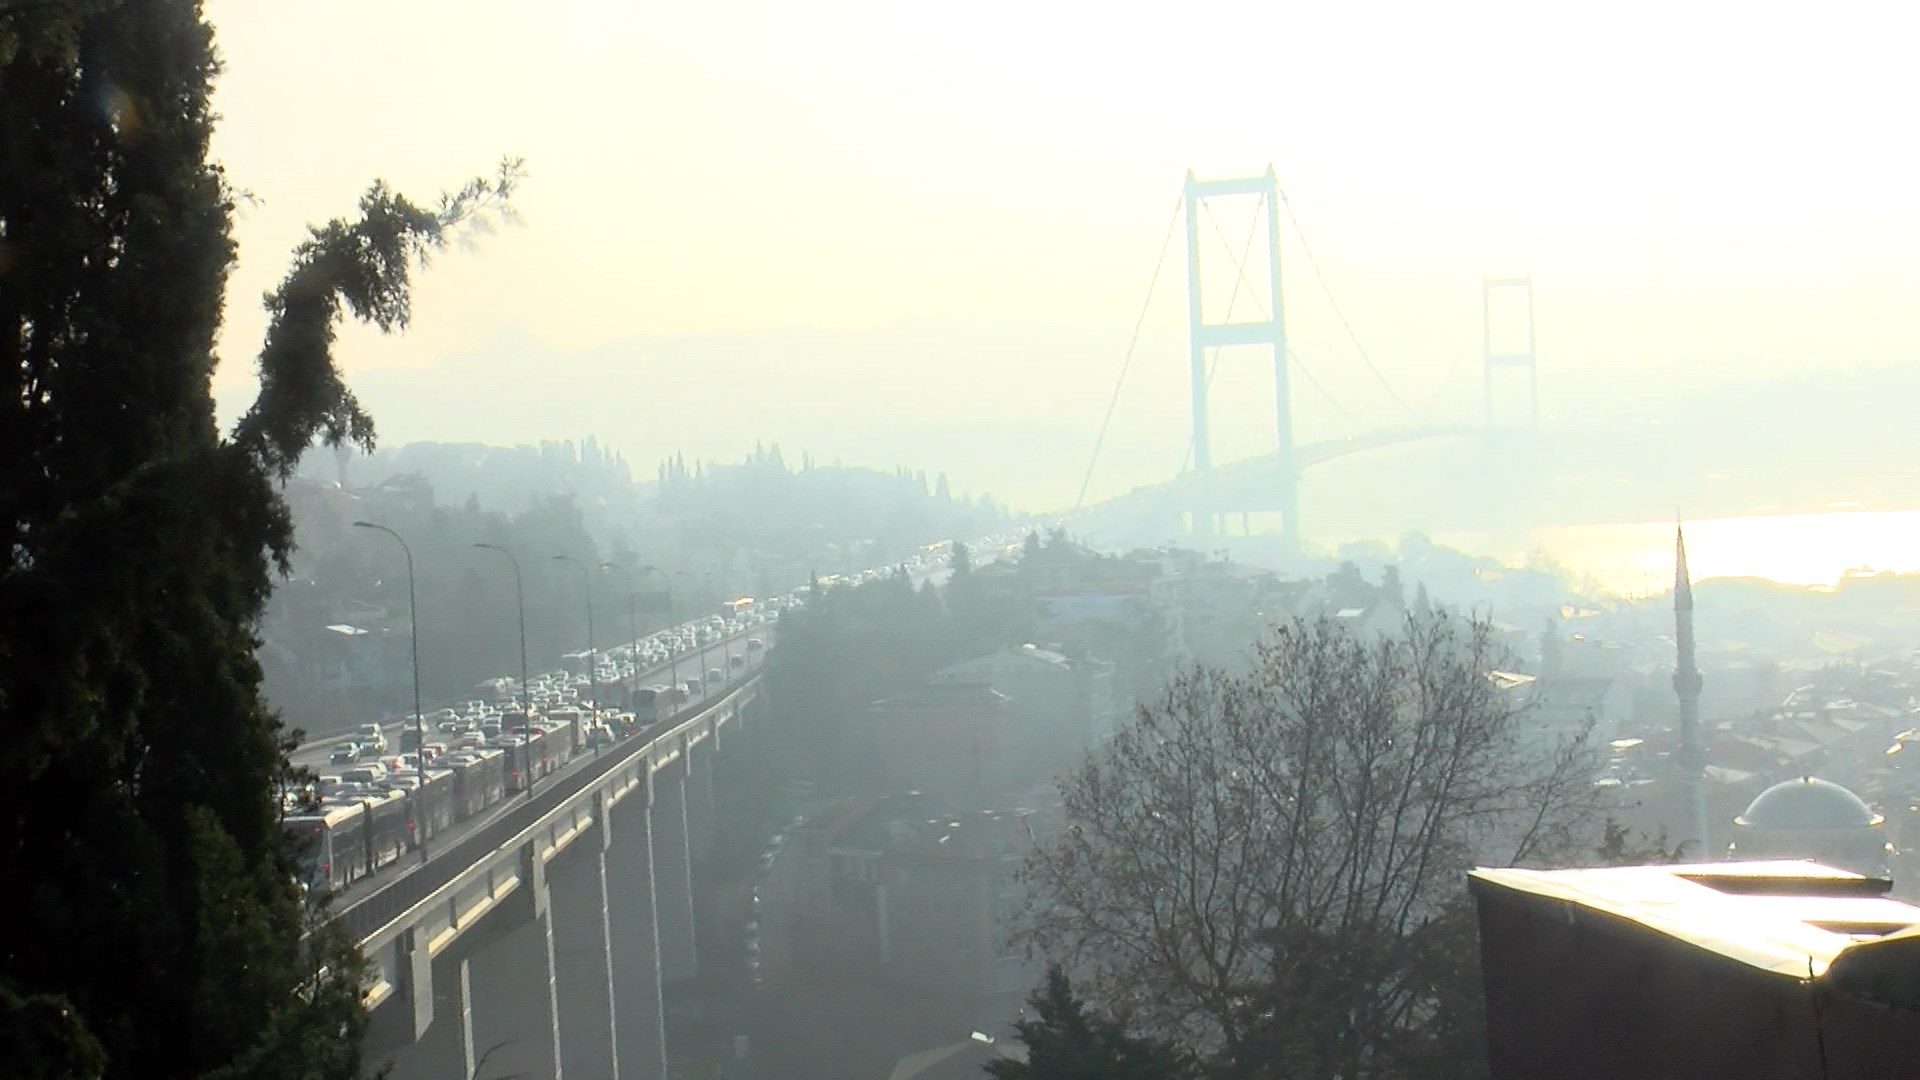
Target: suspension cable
{"points": [[1246, 252], [1342, 315], [1306, 373], [1132, 342]]}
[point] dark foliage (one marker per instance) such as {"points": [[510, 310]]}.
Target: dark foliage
{"points": [[1622, 846], [852, 518], [1067, 1041], [849, 647], [156, 929], [468, 629]]}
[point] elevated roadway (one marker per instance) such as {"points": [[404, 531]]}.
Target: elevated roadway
{"points": [[1154, 512], [541, 938]]}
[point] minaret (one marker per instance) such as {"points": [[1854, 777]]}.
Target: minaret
{"points": [[1686, 684]]}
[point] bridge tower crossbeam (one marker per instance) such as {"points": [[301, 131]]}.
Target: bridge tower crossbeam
{"points": [[1498, 361], [1270, 332]]}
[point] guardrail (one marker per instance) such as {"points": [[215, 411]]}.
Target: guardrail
{"points": [[366, 917]]}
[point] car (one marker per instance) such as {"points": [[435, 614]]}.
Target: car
{"points": [[345, 753], [369, 735], [754, 644]]}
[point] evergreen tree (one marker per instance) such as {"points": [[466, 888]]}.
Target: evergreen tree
{"points": [[1390, 587], [159, 930], [1623, 846], [1065, 1041], [1550, 655], [1422, 605]]}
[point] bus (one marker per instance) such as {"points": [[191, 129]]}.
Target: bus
{"points": [[479, 779], [347, 838], [734, 609], [652, 704]]}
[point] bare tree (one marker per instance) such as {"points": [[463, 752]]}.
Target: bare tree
{"points": [[1269, 866]]}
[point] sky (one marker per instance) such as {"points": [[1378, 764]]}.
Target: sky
{"points": [[893, 233]]}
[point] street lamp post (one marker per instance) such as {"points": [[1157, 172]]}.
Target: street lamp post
{"points": [[633, 627], [413, 632], [633, 621], [593, 656], [704, 688], [526, 693], [673, 655]]}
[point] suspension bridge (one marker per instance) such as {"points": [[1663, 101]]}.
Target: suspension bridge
{"points": [[1201, 497]]}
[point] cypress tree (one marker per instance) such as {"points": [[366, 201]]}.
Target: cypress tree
{"points": [[155, 926]]}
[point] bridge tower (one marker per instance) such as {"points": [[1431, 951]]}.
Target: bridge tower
{"points": [[1497, 361], [1270, 332]]}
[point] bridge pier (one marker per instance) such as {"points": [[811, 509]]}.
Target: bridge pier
{"points": [[640, 1014], [516, 1024], [584, 989], [445, 1048], [493, 998], [673, 871], [700, 798]]}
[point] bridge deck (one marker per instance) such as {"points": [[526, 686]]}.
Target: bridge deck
{"points": [[375, 902]]}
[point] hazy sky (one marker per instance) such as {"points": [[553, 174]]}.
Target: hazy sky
{"points": [[920, 234]]}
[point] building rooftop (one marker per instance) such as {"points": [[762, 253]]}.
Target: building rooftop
{"points": [[1572, 691], [943, 695], [1792, 918], [1033, 657]]}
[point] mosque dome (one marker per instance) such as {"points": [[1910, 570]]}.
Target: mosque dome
{"points": [[1808, 804]]}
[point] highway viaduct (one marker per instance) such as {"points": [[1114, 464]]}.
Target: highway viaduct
{"points": [[547, 941]]}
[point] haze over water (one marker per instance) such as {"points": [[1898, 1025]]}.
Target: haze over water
{"points": [[1635, 559]]}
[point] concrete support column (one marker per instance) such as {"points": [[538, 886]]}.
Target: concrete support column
{"points": [[463, 1002], [604, 812], [639, 1014], [673, 872], [445, 1049], [700, 804], [516, 1029], [543, 912], [589, 1047]]}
